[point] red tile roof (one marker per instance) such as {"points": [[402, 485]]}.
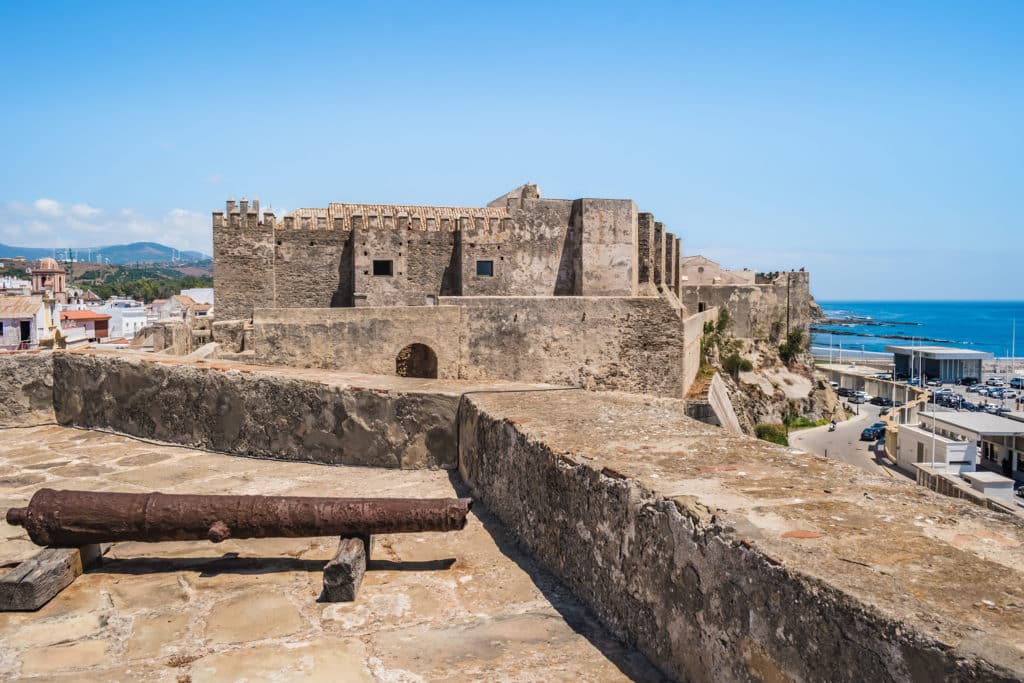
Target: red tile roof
{"points": [[83, 315]]}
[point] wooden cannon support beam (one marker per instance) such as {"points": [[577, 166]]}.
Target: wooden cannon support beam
{"points": [[39, 579], [344, 573]]}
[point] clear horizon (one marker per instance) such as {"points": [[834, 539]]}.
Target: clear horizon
{"points": [[877, 146]]}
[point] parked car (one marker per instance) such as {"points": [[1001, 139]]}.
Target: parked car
{"points": [[994, 381], [974, 388], [885, 411], [967, 381], [967, 405], [872, 433], [844, 392], [934, 382], [1009, 393], [878, 400], [834, 385], [857, 400], [1017, 382]]}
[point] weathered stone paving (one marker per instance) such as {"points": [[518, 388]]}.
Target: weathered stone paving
{"points": [[247, 609]]}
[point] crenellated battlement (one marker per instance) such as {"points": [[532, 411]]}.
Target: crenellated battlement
{"points": [[242, 214], [394, 217]]}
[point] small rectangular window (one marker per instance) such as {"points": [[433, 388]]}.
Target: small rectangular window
{"points": [[701, 307], [385, 268], [485, 268]]}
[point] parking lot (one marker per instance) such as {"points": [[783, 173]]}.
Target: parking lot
{"points": [[995, 396]]}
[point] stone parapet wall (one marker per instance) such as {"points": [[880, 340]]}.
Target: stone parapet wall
{"points": [[232, 408], [27, 396], [727, 559], [693, 334]]}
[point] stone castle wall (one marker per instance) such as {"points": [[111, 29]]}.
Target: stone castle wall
{"points": [[759, 311], [629, 344], [325, 257], [357, 339], [634, 344]]}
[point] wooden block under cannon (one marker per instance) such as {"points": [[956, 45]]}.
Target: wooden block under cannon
{"points": [[37, 580], [344, 573]]}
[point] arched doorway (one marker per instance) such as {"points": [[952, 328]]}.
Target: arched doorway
{"points": [[416, 360]]}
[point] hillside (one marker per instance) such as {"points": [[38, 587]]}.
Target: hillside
{"points": [[147, 282], [136, 252]]}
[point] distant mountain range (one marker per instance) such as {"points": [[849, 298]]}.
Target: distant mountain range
{"points": [[136, 252]]}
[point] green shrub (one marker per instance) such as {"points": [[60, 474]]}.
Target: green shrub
{"points": [[804, 423], [774, 433], [723, 319], [792, 347], [734, 364]]}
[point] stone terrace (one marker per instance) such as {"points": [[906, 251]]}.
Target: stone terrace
{"points": [[247, 609]]}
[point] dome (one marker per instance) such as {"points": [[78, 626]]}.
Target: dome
{"points": [[49, 264]]}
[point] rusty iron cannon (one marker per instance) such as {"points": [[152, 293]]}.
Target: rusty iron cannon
{"points": [[70, 519]]}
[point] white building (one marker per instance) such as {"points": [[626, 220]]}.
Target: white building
{"points": [[963, 443], [944, 362], [12, 285], [22, 320], [127, 316]]}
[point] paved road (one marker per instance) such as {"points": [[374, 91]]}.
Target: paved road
{"points": [[844, 444]]}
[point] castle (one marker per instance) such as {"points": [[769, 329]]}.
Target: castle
{"points": [[613, 537], [585, 292]]}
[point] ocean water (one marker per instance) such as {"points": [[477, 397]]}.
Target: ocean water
{"points": [[979, 325]]}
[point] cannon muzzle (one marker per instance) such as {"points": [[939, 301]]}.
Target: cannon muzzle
{"points": [[71, 519]]}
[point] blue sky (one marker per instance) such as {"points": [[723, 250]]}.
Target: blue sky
{"points": [[878, 145]]}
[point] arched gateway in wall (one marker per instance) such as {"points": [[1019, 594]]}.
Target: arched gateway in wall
{"points": [[416, 360]]}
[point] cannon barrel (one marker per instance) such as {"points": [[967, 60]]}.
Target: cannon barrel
{"points": [[75, 518]]}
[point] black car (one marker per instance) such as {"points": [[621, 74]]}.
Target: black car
{"points": [[968, 381], [843, 391], [872, 433], [878, 401]]}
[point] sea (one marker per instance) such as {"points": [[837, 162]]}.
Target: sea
{"points": [[870, 326]]}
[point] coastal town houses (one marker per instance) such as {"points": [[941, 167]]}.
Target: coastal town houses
{"points": [[22, 322], [94, 325]]}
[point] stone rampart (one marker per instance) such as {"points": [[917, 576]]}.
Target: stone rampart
{"points": [[722, 558]]}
